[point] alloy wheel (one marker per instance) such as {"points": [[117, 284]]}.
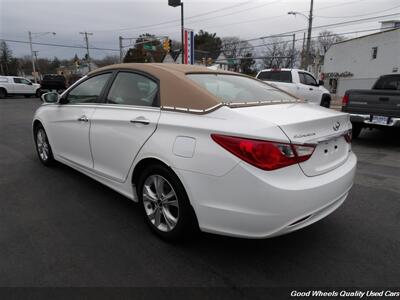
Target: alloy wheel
{"points": [[160, 203], [42, 145]]}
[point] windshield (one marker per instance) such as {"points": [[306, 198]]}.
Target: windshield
{"points": [[237, 89]]}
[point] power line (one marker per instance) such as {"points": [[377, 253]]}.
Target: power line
{"points": [[178, 20], [300, 39], [354, 16], [57, 45], [338, 24]]}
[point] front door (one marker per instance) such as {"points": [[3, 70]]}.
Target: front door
{"points": [[309, 88], [123, 124], [69, 123]]}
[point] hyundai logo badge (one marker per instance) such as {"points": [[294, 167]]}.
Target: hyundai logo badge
{"points": [[336, 126]]}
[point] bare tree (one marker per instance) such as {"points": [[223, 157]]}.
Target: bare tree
{"points": [[107, 60], [326, 39], [279, 54], [233, 47]]}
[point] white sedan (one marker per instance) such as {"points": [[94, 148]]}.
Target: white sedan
{"points": [[199, 148]]}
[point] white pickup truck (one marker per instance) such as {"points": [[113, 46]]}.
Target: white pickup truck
{"points": [[297, 82], [12, 85]]}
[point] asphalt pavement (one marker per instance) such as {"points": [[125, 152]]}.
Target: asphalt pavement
{"points": [[61, 228]]}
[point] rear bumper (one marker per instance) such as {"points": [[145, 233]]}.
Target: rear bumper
{"points": [[366, 120], [252, 203]]}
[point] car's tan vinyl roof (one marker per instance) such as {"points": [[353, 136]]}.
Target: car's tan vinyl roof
{"points": [[176, 89]]}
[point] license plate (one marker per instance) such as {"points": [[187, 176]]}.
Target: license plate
{"points": [[379, 120]]}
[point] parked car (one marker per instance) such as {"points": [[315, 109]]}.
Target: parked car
{"points": [[375, 108], [53, 82], [300, 83], [12, 85], [200, 148]]}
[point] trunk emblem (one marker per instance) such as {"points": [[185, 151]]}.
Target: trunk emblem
{"points": [[336, 126]]}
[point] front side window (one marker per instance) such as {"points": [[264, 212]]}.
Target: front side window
{"points": [[307, 79], [25, 81], [17, 80], [133, 89], [236, 89], [88, 91]]}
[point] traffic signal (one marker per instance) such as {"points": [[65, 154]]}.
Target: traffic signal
{"points": [[166, 45], [170, 45]]}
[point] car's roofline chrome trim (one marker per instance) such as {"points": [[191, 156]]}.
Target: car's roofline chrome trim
{"points": [[109, 105], [232, 105]]}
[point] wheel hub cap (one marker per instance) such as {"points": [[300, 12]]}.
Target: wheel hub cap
{"points": [[160, 203]]}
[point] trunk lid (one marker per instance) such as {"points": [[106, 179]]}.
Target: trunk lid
{"points": [[306, 123]]}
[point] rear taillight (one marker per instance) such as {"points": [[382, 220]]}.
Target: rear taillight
{"points": [[348, 136], [345, 100], [265, 155]]}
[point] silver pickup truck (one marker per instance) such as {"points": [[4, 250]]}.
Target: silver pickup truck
{"points": [[375, 108]]}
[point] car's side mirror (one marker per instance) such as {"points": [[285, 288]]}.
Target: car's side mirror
{"points": [[51, 97], [321, 82]]}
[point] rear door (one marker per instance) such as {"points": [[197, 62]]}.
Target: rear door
{"points": [[123, 124], [19, 86]]}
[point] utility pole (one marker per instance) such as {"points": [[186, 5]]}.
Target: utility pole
{"points": [[293, 49], [175, 3], [182, 29], [32, 59], [87, 47], [121, 54], [36, 61], [310, 18]]}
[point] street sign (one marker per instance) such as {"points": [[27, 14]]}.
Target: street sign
{"points": [[149, 47], [188, 47]]}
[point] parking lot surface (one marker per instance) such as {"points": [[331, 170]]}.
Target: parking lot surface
{"points": [[61, 228]]}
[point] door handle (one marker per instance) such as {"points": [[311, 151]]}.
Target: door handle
{"points": [[83, 119], [311, 89], [140, 121]]}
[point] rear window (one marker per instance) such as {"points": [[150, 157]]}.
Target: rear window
{"points": [[237, 89], [54, 77], [281, 76], [388, 83]]}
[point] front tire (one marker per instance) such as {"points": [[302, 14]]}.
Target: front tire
{"points": [[165, 204], [3, 93], [43, 146]]}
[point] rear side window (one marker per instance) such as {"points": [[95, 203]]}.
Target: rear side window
{"points": [[133, 89], [388, 83], [88, 91], [237, 89], [280, 76], [17, 80]]}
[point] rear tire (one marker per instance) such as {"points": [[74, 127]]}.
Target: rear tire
{"points": [[3, 93], [356, 130], [165, 204]]}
